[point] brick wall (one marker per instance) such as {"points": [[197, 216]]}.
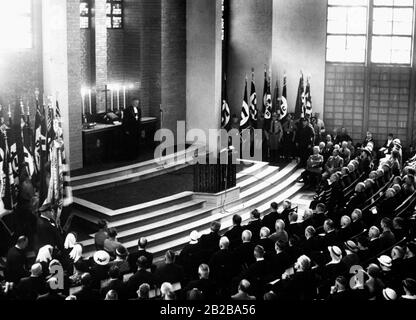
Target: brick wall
{"points": [[86, 55]]}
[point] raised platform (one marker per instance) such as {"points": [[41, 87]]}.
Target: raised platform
{"points": [[167, 222]]}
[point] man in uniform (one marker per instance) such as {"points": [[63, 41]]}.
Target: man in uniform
{"points": [[132, 128]]}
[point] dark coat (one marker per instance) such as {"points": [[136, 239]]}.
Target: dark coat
{"points": [[172, 273], [114, 284], [206, 286], [30, 288], [136, 280], [209, 244], [222, 267], [269, 220], [16, 265], [244, 254], [47, 233], [254, 226], [132, 259], [190, 258], [234, 235]]}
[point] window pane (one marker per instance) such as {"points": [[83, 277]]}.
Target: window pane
{"points": [[405, 15], [84, 22], [117, 9], [108, 8], [357, 20], [334, 42], [348, 3], [401, 43], [408, 3], [382, 27], [337, 14], [117, 22], [402, 28], [83, 8], [381, 50], [383, 2], [383, 14], [336, 27], [400, 56], [108, 22]]}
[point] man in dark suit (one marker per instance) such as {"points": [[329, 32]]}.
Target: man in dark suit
{"points": [[114, 283], [133, 257], [140, 277], [280, 260], [234, 234], [222, 266], [387, 147], [254, 225], [169, 271], [387, 238], [31, 287], [46, 229], [204, 283], [270, 219], [258, 271], [132, 127], [53, 294], [330, 238], [294, 228], [87, 292], [266, 242], [16, 263], [209, 242], [190, 257], [243, 254]]}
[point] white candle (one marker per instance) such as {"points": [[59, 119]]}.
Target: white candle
{"points": [[112, 99], [118, 98], [124, 97], [83, 101], [89, 97]]}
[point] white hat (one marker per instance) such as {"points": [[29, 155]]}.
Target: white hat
{"points": [[101, 258], [336, 251], [385, 261], [194, 237], [389, 294]]}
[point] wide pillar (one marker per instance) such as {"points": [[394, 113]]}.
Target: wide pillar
{"points": [[203, 62], [62, 69], [101, 74], [299, 42]]}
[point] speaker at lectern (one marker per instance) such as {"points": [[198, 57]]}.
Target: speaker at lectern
{"points": [[214, 178]]}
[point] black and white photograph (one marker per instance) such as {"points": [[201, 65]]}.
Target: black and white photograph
{"points": [[208, 158]]}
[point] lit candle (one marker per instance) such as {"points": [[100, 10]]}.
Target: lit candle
{"points": [[89, 98], [118, 98], [124, 97], [112, 98], [83, 100]]}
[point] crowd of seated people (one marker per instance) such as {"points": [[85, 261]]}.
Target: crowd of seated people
{"points": [[357, 241]]}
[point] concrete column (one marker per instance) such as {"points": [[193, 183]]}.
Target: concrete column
{"points": [[299, 43], [62, 69], [203, 62], [100, 28]]}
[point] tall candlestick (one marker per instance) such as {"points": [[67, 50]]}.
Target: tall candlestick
{"points": [[112, 98], [124, 97], [89, 98], [118, 98]]}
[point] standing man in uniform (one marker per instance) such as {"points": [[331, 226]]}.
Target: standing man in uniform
{"points": [[132, 128], [304, 141]]}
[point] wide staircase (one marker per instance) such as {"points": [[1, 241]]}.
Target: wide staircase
{"points": [[167, 222], [136, 172]]}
